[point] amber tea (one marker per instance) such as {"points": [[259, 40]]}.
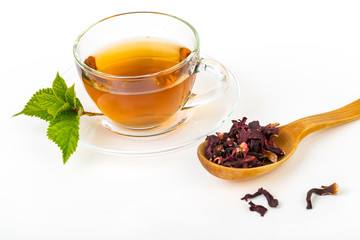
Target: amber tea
{"points": [[142, 99]]}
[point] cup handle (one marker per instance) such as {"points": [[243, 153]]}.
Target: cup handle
{"points": [[215, 68]]}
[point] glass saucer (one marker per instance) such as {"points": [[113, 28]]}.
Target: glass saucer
{"points": [[200, 122]]}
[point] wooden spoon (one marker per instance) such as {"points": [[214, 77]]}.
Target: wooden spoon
{"points": [[289, 137]]}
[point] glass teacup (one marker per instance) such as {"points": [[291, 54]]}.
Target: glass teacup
{"points": [[140, 67]]}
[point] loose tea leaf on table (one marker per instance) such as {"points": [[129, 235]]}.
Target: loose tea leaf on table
{"points": [[333, 189], [257, 208], [270, 199], [244, 146]]}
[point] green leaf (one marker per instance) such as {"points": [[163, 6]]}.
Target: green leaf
{"points": [[64, 131], [59, 87], [33, 107], [79, 106], [52, 103], [70, 96], [60, 106]]}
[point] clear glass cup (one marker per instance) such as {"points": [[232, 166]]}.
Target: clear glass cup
{"points": [[129, 107]]}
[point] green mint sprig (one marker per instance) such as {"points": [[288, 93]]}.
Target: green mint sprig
{"points": [[62, 109]]}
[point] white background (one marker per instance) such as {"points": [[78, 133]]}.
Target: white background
{"points": [[291, 58]]}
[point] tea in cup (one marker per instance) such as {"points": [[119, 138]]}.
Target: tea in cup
{"points": [[139, 68]]}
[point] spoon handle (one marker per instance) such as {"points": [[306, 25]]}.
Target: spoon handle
{"points": [[307, 125]]}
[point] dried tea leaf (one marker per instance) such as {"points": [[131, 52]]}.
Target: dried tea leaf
{"points": [[333, 189], [270, 199], [257, 208], [91, 62], [244, 146]]}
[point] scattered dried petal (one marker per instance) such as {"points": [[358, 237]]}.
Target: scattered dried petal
{"points": [[245, 145], [333, 189], [257, 208], [90, 61], [270, 199]]}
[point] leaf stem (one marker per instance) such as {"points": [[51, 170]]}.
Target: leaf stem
{"points": [[91, 114]]}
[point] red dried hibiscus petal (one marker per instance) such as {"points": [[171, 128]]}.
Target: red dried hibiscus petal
{"points": [[244, 146], [257, 208], [333, 189], [270, 199]]}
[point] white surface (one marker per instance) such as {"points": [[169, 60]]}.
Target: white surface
{"points": [[292, 58]]}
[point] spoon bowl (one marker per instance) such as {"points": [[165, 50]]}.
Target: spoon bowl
{"points": [[288, 139]]}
